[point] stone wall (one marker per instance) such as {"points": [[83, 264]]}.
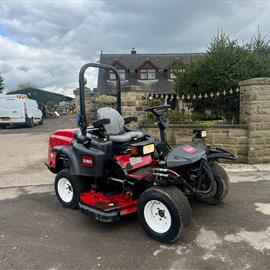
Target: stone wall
{"points": [[231, 137], [255, 112], [134, 101], [250, 140], [90, 108]]}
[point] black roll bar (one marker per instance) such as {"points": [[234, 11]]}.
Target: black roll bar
{"points": [[82, 119]]}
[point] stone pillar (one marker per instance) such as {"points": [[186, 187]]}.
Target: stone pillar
{"points": [[90, 108], [134, 101], [255, 113]]}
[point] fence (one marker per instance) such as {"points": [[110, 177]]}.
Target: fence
{"points": [[219, 107]]}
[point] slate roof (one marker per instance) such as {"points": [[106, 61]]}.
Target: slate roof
{"points": [[133, 61]]}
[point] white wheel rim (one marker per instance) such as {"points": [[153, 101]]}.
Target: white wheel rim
{"points": [[65, 190], [157, 216]]}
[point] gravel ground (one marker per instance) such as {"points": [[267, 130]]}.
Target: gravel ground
{"points": [[24, 152], [37, 233]]}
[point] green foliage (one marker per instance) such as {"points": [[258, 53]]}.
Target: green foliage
{"points": [[2, 85], [225, 64], [106, 100], [22, 86], [175, 116]]}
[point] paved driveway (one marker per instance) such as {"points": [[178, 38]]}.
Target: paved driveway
{"points": [[37, 233]]}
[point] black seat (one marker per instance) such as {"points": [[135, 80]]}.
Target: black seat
{"points": [[116, 129]]}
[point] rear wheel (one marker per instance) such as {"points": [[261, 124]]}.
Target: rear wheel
{"points": [[164, 212], [222, 180], [3, 126], [68, 188]]}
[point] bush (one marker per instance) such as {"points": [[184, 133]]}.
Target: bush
{"points": [[106, 100]]}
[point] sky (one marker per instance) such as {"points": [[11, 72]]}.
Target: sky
{"points": [[46, 42]]}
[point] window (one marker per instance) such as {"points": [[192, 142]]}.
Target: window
{"points": [[173, 71], [121, 72], [172, 74], [147, 74]]}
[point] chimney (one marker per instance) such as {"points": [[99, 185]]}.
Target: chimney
{"points": [[133, 51]]}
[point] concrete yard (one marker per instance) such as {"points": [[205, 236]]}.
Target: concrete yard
{"points": [[36, 232]]}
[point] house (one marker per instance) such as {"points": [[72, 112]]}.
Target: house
{"points": [[155, 70]]}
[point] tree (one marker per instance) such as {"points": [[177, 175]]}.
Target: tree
{"points": [[2, 85], [259, 60], [22, 86], [223, 66]]}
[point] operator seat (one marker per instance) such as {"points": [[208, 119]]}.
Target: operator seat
{"points": [[116, 130]]}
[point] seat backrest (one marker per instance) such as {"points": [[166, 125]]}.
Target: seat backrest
{"points": [[116, 125]]}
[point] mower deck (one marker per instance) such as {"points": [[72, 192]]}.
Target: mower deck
{"points": [[107, 208]]}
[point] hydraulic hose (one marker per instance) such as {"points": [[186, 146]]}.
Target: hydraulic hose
{"points": [[211, 191]]}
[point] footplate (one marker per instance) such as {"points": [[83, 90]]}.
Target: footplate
{"points": [[99, 214], [107, 208]]}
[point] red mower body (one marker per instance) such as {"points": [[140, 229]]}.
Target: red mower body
{"points": [[137, 168]]}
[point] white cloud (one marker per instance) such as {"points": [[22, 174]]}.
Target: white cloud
{"points": [[46, 42]]}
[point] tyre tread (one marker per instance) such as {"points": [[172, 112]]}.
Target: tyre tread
{"points": [[180, 202]]}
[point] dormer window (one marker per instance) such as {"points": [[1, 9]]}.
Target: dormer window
{"points": [[148, 71], [121, 69], [172, 74], [147, 74], [121, 72], [172, 70]]}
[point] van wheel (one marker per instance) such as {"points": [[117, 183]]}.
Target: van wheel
{"points": [[3, 126], [41, 121], [164, 212], [68, 188], [30, 122]]}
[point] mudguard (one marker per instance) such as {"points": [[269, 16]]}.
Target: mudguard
{"points": [[218, 153], [76, 153]]}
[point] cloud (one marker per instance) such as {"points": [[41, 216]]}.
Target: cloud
{"points": [[45, 42]]}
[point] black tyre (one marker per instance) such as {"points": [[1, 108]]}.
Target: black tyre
{"points": [[222, 181], [68, 188], [41, 121], [164, 212], [3, 126], [30, 122]]}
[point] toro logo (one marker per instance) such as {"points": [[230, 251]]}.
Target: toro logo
{"points": [[87, 161], [190, 149]]}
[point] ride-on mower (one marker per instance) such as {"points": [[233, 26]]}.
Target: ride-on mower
{"points": [[110, 170]]}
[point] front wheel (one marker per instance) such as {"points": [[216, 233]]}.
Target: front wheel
{"points": [[68, 188], [163, 213], [222, 181]]}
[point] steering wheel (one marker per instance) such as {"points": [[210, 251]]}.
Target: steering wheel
{"points": [[158, 110]]}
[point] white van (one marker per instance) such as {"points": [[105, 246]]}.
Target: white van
{"points": [[19, 110]]}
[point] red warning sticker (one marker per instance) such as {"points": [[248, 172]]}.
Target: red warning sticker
{"points": [[189, 149]]}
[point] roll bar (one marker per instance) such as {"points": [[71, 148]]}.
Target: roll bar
{"points": [[82, 120]]}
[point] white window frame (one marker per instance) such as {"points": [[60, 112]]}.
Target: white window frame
{"points": [[145, 74], [121, 72], [172, 74]]}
